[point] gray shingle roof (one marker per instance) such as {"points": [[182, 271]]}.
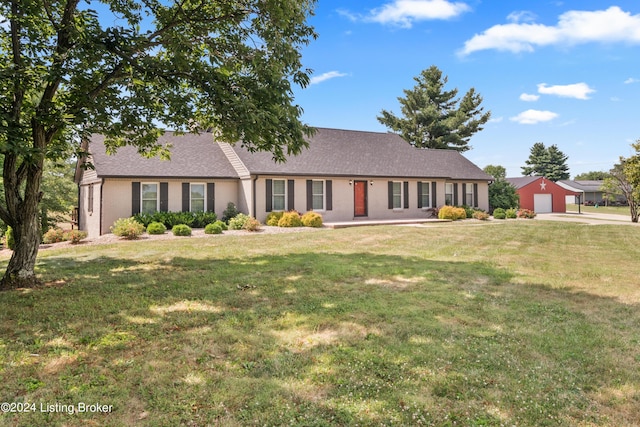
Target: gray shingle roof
{"points": [[192, 156], [584, 185], [331, 152], [335, 152], [522, 181]]}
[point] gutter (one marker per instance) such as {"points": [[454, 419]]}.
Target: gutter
{"points": [[253, 196]]}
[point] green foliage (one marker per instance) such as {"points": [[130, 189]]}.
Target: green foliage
{"points": [[592, 176], [127, 228], [499, 213], [222, 224], [548, 162], [170, 219], [237, 222], [434, 117], [290, 219], [181, 230], [496, 171], [468, 210], [452, 212], [213, 229], [526, 213], [230, 212], [251, 224], [312, 219], [503, 195], [511, 213], [8, 238], [156, 228], [273, 218]]}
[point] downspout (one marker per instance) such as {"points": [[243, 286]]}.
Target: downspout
{"points": [[253, 196], [101, 210]]}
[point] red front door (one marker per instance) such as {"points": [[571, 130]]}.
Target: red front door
{"points": [[360, 198]]}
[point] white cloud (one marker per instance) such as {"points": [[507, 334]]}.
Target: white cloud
{"points": [[531, 117], [521, 16], [405, 12], [576, 90], [326, 76], [529, 97], [631, 80], [573, 27], [496, 119]]}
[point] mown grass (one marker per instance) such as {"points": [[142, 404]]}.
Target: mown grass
{"points": [[615, 210], [525, 323]]}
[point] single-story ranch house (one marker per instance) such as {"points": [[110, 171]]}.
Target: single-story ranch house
{"points": [[344, 175]]}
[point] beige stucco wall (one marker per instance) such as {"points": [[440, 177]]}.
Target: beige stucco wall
{"points": [[89, 220]]}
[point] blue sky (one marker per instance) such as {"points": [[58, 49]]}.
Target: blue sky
{"points": [[557, 72]]}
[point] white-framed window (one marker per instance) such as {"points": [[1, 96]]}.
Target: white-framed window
{"points": [[197, 198], [317, 195], [448, 194], [425, 194], [279, 195], [468, 197], [397, 195], [149, 197]]}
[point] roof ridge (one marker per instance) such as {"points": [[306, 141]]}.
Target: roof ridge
{"points": [[234, 159]]}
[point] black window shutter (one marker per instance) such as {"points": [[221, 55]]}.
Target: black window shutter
{"points": [[269, 195], [406, 194], [419, 194], [434, 199], [309, 194], [290, 196], [135, 198], [329, 194], [455, 194], [211, 197], [475, 195], [185, 197], [164, 196], [390, 194], [464, 195]]}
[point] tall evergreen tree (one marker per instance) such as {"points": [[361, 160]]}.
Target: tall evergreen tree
{"points": [[548, 162], [433, 117]]}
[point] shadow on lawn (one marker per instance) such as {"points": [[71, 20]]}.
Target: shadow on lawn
{"points": [[313, 339]]}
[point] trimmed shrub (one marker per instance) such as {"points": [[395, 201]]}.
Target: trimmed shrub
{"points": [[312, 219], [290, 219], [181, 230], [499, 213], [10, 241], [156, 228], [451, 212], [273, 218], [481, 215], [75, 236], [237, 222], [511, 213], [230, 213], [468, 211], [251, 224], [222, 224], [53, 235], [526, 213], [169, 219], [213, 229], [127, 228]]}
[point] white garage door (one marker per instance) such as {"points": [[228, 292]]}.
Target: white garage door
{"points": [[542, 203]]}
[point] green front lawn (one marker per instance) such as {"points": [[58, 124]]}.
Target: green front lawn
{"points": [[615, 210], [528, 323]]}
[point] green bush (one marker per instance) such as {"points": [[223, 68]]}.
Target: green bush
{"points": [[9, 238], [127, 228], [237, 222], [251, 224], [169, 219], [230, 213], [53, 235], [511, 213], [452, 212], [499, 213], [273, 218], [156, 228], [469, 211], [75, 236], [181, 230], [312, 219], [290, 219], [222, 224], [213, 229]]}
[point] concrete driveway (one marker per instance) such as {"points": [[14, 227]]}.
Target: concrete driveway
{"points": [[588, 218]]}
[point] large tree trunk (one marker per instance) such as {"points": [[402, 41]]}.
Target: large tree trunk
{"points": [[20, 272]]}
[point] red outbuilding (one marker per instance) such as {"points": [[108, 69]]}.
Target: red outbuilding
{"points": [[541, 195]]}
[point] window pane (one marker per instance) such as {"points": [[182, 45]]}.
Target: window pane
{"points": [[150, 191], [197, 191], [397, 195], [318, 187], [197, 205], [318, 202], [318, 195], [278, 203], [149, 206], [426, 200], [278, 186]]}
